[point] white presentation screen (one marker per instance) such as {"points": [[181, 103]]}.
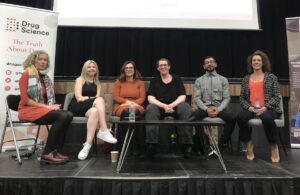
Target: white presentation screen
{"points": [[203, 14]]}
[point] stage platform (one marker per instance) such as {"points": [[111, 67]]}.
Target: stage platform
{"points": [[164, 175]]}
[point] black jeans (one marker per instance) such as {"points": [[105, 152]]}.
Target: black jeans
{"points": [[60, 121], [227, 116], [267, 118]]}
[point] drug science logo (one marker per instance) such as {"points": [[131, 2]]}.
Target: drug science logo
{"points": [[13, 25]]}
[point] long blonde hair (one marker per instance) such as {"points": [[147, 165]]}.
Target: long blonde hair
{"points": [[84, 70], [29, 63]]}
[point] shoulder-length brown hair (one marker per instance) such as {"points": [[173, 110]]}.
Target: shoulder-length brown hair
{"points": [[136, 75], [266, 65]]}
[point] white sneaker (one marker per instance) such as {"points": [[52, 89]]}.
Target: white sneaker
{"points": [[85, 151], [106, 136]]}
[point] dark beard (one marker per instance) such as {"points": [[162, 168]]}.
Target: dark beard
{"points": [[210, 70]]}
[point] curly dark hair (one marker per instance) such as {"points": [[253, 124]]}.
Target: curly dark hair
{"points": [[136, 75], [266, 65]]}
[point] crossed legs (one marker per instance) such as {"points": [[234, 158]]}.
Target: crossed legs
{"points": [[96, 118]]}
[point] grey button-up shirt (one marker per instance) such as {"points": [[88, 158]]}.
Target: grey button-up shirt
{"points": [[211, 89]]}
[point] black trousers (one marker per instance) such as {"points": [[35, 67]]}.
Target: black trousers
{"points": [[182, 112], [138, 137], [227, 116], [60, 121], [267, 118]]}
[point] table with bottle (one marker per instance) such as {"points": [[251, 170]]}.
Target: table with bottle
{"points": [[133, 123]]}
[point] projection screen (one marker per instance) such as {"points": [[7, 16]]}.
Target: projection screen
{"points": [[198, 14]]}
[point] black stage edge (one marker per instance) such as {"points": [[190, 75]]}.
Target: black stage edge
{"points": [[165, 175]]}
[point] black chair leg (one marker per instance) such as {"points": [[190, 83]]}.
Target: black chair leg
{"points": [[282, 144], [36, 138], [113, 127], [230, 145], [199, 140], [238, 143], [95, 143]]}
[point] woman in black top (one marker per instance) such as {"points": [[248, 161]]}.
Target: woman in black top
{"points": [[89, 89], [87, 102]]}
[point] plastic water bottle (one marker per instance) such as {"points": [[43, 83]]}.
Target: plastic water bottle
{"points": [[131, 113], [173, 144], [256, 104], [40, 150]]}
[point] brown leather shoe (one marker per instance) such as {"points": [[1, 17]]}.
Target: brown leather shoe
{"points": [[61, 156], [51, 159]]}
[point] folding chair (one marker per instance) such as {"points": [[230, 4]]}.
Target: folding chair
{"points": [[76, 119], [11, 103]]}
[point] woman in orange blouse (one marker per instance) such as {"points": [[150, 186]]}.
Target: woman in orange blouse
{"points": [[260, 97], [129, 89]]}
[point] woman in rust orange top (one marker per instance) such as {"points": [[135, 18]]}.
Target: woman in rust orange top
{"points": [[260, 97], [129, 90]]}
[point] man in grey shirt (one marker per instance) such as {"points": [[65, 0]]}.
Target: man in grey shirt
{"points": [[211, 95]]}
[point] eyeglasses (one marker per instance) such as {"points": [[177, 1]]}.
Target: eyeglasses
{"points": [[128, 68], [162, 65]]}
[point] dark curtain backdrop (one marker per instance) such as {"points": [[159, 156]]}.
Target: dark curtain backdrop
{"points": [[110, 47]]}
